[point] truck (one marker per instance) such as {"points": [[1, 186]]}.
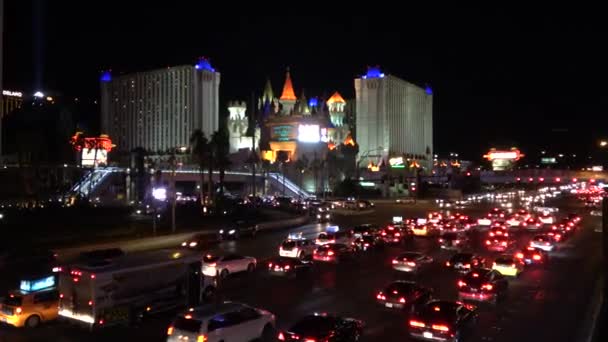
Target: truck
{"points": [[123, 290]]}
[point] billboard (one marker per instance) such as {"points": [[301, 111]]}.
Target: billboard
{"points": [[309, 133], [88, 157], [282, 133]]}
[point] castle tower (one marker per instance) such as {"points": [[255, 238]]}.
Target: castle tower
{"points": [[237, 126], [336, 109], [288, 97]]}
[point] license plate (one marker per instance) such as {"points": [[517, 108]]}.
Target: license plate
{"points": [[389, 305], [427, 334]]}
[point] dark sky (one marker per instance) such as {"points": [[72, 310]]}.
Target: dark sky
{"points": [[500, 78]]}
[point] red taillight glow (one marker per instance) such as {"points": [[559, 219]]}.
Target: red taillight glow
{"points": [[487, 287], [330, 253], [380, 296], [269, 264], [61, 295], [536, 257], [397, 234], [383, 233], [170, 331], [519, 255], [467, 266], [504, 243], [395, 261], [281, 337], [402, 300], [417, 324], [212, 265], [310, 340], [439, 327], [447, 263], [287, 267], [411, 263], [92, 276], [461, 283], [488, 242], [90, 303]]}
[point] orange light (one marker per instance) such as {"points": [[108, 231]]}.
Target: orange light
{"points": [[417, 324], [536, 257], [188, 317], [461, 283], [201, 338], [169, 331], [519, 255], [18, 311], [330, 253], [488, 287], [447, 263], [440, 327]]}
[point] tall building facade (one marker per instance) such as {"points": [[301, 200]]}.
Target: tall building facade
{"points": [[394, 118], [159, 109]]}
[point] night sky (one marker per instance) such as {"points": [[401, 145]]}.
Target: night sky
{"points": [[499, 78]]}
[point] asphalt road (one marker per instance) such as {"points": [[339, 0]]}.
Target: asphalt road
{"points": [[544, 304]]}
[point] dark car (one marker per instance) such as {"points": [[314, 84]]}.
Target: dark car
{"points": [[464, 262], [453, 241], [364, 229], [392, 234], [532, 256], [402, 294], [443, 321], [198, 241], [333, 252], [238, 229], [288, 267], [367, 242], [324, 327], [482, 285]]}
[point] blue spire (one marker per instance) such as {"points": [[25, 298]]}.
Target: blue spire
{"points": [[106, 76], [313, 102], [374, 72], [203, 64], [428, 90]]}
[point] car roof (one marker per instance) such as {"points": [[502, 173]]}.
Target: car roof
{"points": [[210, 310], [410, 254]]}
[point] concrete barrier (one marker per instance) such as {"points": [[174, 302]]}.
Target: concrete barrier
{"points": [[166, 241]]}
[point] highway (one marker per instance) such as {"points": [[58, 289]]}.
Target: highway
{"points": [[544, 304]]}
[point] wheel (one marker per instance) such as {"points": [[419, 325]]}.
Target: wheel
{"points": [[32, 321], [224, 274], [269, 333], [250, 268]]}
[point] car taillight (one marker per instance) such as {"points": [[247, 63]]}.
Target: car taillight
{"points": [[310, 340], [366, 244], [439, 327], [287, 267], [381, 296], [447, 263], [269, 265], [536, 257], [504, 243], [61, 295], [169, 331], [383, 233], [201, 338], [417, 324], [547, 243], [487, 287], [18, 311], [488, 242], [90, 303], [330, 253], [519, 255], [281, 337], [502, 215], [411, 263], [402, 300], [461, 283], [467, 266], [395, 261], [456, 241]]}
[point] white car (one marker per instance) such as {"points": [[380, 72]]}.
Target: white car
{"points": [[516, 221], [544, 242], [227, 321], [546, 218], [297, 248], [410, 262], [224, 265]]}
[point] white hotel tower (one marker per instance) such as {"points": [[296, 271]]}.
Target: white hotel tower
{"points": [[159, 109], [394, 118]]}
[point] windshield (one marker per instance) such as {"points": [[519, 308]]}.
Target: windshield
{"points": [[409, 256], [211, 258], [400, 287], [288, 245], [462, 257], [503, 261], [12, 300], [189, 325]]}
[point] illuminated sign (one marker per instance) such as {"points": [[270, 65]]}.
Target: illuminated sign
{"points": [[396, 162], [159, 194], [309, 133], [510, 155], [12, 93], [548, 161], [282, 133], [324, 135], [94, 157], [38, 284]]}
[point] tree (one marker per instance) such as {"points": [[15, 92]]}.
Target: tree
{"points": [[220, 140], [199, 146]]}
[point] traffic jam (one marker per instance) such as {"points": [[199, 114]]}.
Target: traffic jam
{"points": [[484, 255]]}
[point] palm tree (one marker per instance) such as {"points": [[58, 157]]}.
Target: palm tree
{"points": [[221, 143], [199, 145]]}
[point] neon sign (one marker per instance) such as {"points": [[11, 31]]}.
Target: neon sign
{"points": [[37, 285], [514, 154], [396, 162], [12, 93], [309, 133]]}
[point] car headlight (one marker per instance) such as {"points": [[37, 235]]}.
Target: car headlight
{"points": [[327, 216], [193, 244], [221, 231], [184, 244], [138, 212], [232, 231]]}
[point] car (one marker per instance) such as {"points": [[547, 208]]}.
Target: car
{"points": [[498, 230], [441, 320], [323, 213], [222, 322], [573, 217], [497, 214], [446, 203], [544, 242], [546, 218], [325, 238], [197, 241], [498, 243], [453, 241], [402, 294], [227, 264], [449, 225], [333, 253], [482, 285], [434, 217], [333, 234], [508, 265], [323, 327], [516, 220], [522, 213], [464, 262], [532, 256], [367, 242], [295, 246], [532, 224], [238, 229], [363, 230], [392, 234], [557, 236], [289, 267], [410, 262], [484, 221]]}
